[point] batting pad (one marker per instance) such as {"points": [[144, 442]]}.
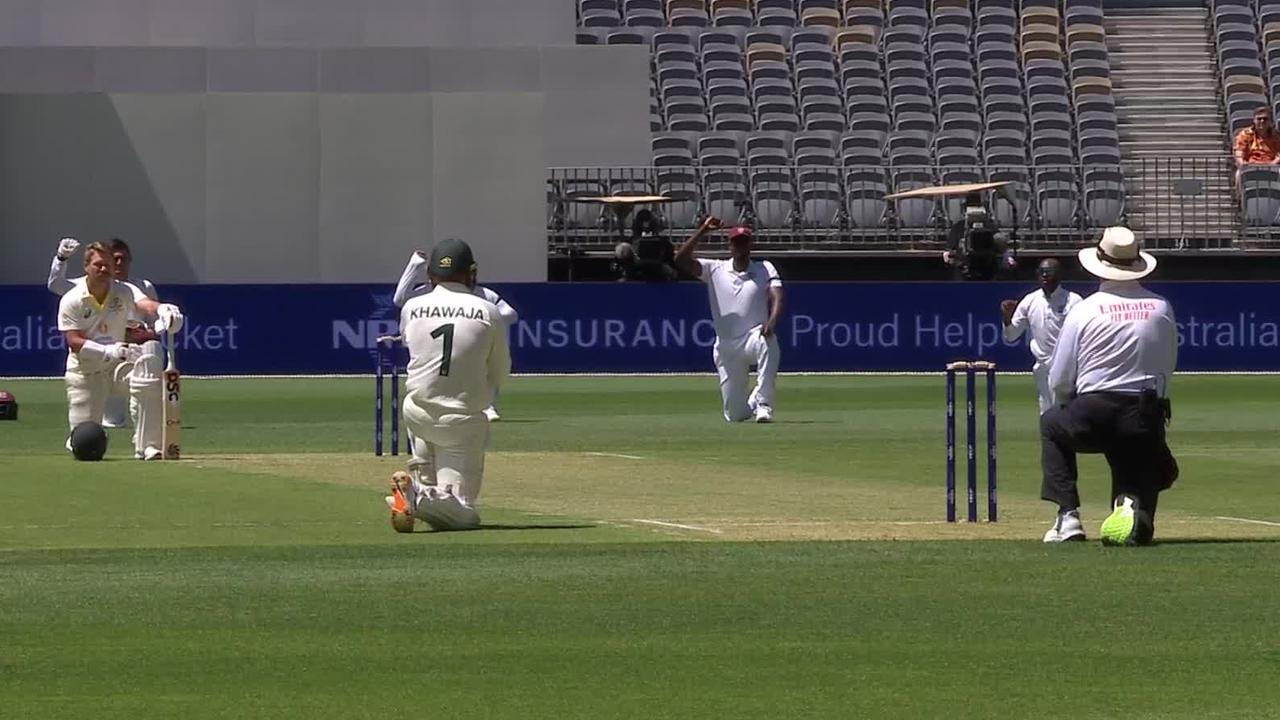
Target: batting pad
{"points": [[148, 400]]}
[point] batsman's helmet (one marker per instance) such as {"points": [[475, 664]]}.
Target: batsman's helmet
{"points": [[88, 441]]}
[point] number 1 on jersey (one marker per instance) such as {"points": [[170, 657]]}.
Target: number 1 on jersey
{"points": [[445, 331]]}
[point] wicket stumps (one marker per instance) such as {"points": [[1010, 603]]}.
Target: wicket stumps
{"points": [[388, 352], [970, 368]]}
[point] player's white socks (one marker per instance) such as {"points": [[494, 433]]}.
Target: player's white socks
{"points": [[145, 387]]}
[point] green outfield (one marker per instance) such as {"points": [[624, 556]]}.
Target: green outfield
{"points": [[642, 559]]}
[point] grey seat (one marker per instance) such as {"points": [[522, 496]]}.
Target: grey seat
{"points": [[1057, 198], [913, 212], [1019, 191], [601, 18], [726, 88], [580, 214], [1087, 121], [625, 37], [733, 122], [993, 103], [692, 123], [688, 18], [865, 188], [1001, 121], [1260, 194], [1104, 196], [722, 71], [821, 200], [1087, 50], [725, 194], [773, 197], [809, 141], [873, 121]]}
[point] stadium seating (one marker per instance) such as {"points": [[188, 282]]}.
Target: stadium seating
{"points": [[806, 113]]}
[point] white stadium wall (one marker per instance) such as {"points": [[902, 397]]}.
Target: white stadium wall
{"points": [[268, 163]]}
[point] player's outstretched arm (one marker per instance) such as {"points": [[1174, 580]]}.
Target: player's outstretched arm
{"points": [[58, 283], [684, 258], [414, 275]]}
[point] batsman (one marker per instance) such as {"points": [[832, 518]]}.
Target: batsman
{"points": [[458, 357], [104, 354]]}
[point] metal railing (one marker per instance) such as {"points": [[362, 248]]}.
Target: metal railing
{"points": [[1173, 203]]}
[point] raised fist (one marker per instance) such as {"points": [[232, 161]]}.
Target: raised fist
{"points": [[67, 247]]}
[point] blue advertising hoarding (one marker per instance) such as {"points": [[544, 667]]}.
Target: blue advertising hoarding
{"points": [[615, 327]]}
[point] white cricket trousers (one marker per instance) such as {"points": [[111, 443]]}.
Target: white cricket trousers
{"points": [[1041, 373], [449, 452], [88, 393], [734, 358]]}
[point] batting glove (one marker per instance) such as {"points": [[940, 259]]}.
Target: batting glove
{"points": [[168, 318], [123, 352]]}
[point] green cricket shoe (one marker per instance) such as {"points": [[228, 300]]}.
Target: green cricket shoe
{"points": [[1121, 526]]}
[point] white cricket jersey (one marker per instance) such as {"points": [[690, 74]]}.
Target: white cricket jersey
{"points": [[739, 300], [1042, 315], [458, 353], [1122, 338], [103, 323]]}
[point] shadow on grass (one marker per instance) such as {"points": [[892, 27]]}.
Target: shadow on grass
{"points": [[565, 526], [423, 528], [1214, 541]]}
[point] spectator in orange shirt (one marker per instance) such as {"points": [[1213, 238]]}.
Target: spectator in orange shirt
{"points": [[1258, 144]]}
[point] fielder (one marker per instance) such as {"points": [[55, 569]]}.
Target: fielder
{"points": [[746, 305], [1042, 312], [458, 357], [414, 282], [93, 316], [117, 413]]}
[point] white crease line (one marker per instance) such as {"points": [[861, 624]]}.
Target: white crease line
{"points": [[811, 523], [615, 455], [1268, 523], [661, 523]]}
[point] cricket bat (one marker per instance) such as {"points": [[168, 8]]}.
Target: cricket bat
{"points": [[172, 436]]}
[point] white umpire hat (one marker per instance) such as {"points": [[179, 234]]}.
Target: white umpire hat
{"points": [[1117, 256]]}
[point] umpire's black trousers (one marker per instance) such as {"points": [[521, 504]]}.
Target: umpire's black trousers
{"points": [[1126, 427]]}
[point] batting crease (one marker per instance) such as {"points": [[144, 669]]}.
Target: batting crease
{"points": [[681, 526]]}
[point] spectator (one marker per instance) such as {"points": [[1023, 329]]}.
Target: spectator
{"points": [[1258, 144]]}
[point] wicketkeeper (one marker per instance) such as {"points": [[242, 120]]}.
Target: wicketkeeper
{"points": [[93, 316], [458, 357]]}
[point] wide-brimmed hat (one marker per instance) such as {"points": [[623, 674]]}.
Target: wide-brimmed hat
{"points": [[1117, 256]]}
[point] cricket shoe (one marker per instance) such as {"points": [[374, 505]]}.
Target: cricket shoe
{"points": [[151, 453], [491, 412], [1123, 526], [1067, 528], [401, 502], [764, 414]]}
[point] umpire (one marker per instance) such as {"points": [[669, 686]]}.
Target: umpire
{"points": [[1110, 376]]}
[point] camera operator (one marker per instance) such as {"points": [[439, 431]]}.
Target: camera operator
{"points": [[649, 256], [974, 247]]}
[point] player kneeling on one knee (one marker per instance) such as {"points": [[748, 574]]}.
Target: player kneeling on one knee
{"points": [[746, 305], [458, 357], [94, 319]]}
